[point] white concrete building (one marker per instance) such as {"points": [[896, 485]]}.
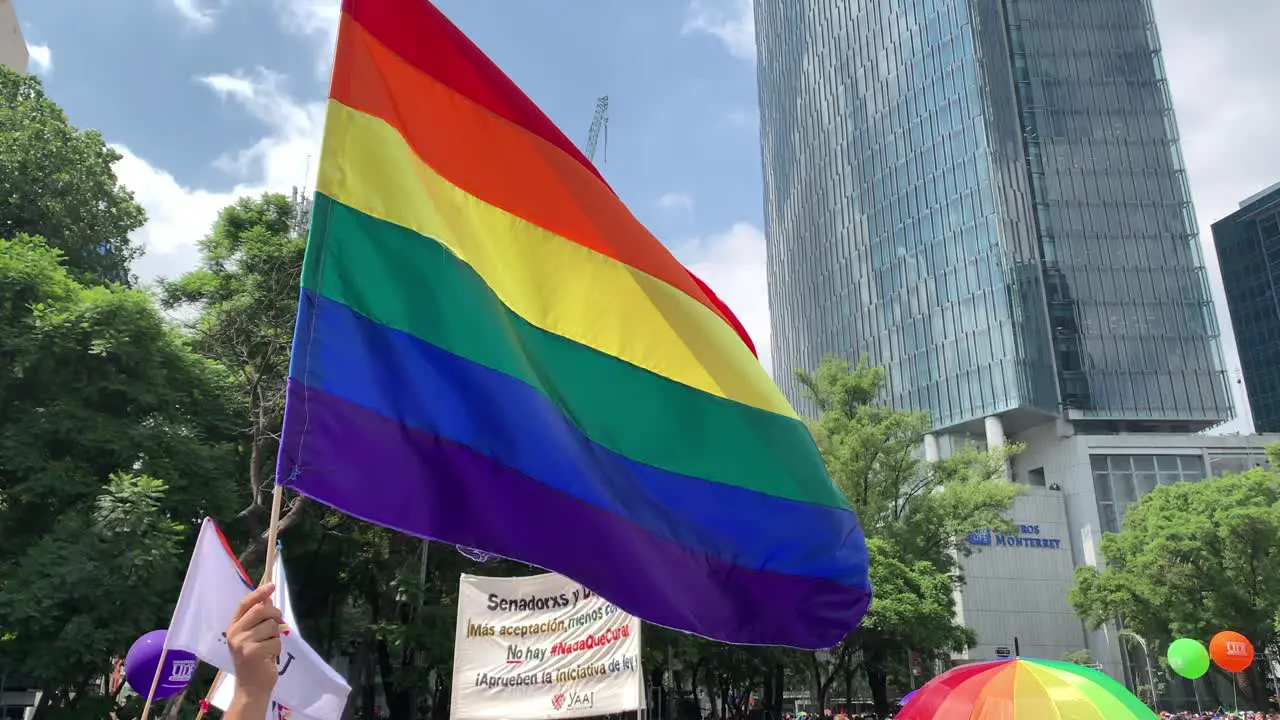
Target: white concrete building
{"points": [[13, 48], [1015, 595], [1078, 486]]}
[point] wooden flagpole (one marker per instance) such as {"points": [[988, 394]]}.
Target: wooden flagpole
{"points": [[273, 534], [155, 680]]}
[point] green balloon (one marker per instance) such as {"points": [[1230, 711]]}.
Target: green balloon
{"points": [[1188, 658]]}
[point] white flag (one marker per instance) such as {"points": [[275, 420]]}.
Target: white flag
{"points": [[224, 687], [214, 586]]}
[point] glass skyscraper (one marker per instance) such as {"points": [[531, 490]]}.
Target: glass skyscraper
{"points": [[987, 198], [1248, 245]]}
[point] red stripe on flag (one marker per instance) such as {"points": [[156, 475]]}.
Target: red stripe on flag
{"points": [[724, 309], [226, 546]]}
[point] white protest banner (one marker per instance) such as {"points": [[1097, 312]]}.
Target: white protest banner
{"points": [[542, 647]]}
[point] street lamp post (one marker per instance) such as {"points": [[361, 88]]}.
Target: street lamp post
{"points": [[1146, 656]]}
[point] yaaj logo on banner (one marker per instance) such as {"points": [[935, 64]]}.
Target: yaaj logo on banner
{"points": [[570, 701], [542, 647]]}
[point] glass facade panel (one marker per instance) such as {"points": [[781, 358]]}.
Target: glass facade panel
{"points": [[1102, 486], [1192, 467], [984, 197], [1120, 232], [1121, 480], [1237, 462], [1248, 246]]}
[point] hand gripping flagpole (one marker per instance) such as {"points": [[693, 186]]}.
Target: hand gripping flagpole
{"points": [[273, 534]]}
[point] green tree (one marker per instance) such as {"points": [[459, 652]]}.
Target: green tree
{"points": [[1191, 560], [57, 182], [1078, 657], [245, 296], [384, 601], [911, 511], [84, 592], [114, 440], [681, 665]]}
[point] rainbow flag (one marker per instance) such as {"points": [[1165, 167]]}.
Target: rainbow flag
{"points": [[491, 351]]}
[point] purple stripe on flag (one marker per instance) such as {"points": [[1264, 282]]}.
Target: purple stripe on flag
{"points": [[376, 469]]}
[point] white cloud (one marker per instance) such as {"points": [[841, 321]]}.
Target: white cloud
{"points": [[315, 18], [41, 58], [741, 116], [676, 201], [283, 158], [177, 216], [199, 14], [310, 17], [732, 263], [732, 21], [285, 154]]}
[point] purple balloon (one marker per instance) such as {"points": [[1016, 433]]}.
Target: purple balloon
{"points": [[140, 666]]}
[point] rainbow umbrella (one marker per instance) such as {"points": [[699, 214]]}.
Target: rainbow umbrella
{"points": [[1024, 689]]}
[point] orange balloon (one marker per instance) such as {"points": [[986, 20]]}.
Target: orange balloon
{"points": [[1231, 651]]}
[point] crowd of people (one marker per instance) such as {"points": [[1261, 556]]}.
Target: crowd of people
{"points": [[1221, 715]]}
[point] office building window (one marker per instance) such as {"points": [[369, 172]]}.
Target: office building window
{"points": [[1220, 465], [1120, 480], [1248, 244]]}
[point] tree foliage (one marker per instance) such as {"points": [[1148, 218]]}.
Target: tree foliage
{"points": [[80, 594], [1191, 560], [57, 182], [872, 453], [1078, 657], [113, 440], [244, 295], [383, 601], [911, 511]]}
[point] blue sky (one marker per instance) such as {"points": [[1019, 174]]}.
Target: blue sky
{"points": [[682, 115], [210, 99]]}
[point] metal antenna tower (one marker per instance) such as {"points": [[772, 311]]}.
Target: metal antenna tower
{"points": [[302, 206], [599, 125]]}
